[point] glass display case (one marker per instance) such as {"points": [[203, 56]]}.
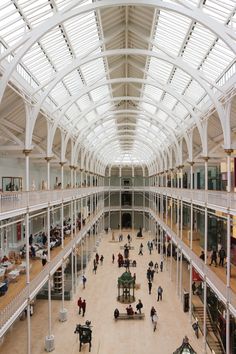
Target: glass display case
{"points": [[11, 184]]}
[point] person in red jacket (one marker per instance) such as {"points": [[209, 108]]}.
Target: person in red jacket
{"points": [[79, 303]]}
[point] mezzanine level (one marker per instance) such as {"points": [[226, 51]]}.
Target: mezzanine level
{"points": [[16, 203], [28, 291]]}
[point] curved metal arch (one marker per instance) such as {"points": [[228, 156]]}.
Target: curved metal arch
{"points": [[227, 35], [111, 139], [120, 134], [165, 88], [144, 112], [159, 105], [178, 62]]}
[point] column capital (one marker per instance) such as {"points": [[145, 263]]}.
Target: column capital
{"points": [[191, 163], [81, 170], [75, 167], [172, 169], [180, 167], [229, 151], [166, 171], [62, 163], [48, 158], [71, 167], [27, 151], [205, 158]]}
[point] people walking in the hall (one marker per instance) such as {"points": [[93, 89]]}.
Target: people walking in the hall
{"points": [[202, 256], [161, 266], [139, 306], [83, 307], [149, 274], [141, 249], [79, 303], [150, 287], [222, 256], [113, 258], [213, 257], [154, 321], [44, 258], [84, 281], [101, 259], [159, 293], [156, 267], [95, 268], [97, 258], [152, 312]]}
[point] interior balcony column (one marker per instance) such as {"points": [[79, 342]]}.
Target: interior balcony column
{"points": [[82, 256], [228, 283], [71, 176], [171, 259], [48, 159], [191, 174], [62, 163], [190, 289], [228, 164], [178, 218], [49, 340], [63, 310], [27, 235], [166, 198], [75, 176], [27, 152], [132, 183], [81, 178], [205, 316], [206, 159], [177, 269], [72, 236], [109, 201], [143, 199], [180, 273], [181, 203]]}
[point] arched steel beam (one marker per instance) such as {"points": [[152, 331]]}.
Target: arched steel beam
{"points": [[166, 88], [178, 62], [169, 130], [159, 105], [114, 137]]}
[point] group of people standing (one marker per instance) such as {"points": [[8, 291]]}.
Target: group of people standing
{"points": [[96, 262]]}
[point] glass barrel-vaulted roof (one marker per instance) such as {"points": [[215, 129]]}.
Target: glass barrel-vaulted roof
{"points": [[127, 78]]}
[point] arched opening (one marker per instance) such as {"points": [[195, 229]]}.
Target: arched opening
{"points": [[126, 220]]}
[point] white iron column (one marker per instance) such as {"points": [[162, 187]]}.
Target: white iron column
{"points": [[228, 283]]}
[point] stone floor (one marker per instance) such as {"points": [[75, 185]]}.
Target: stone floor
{"points": [[110, 337]]}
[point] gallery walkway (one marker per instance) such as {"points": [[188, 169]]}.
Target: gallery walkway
{"points": [[121, 337]]}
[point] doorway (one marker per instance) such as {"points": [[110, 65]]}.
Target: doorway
{"points": [[126, 220]]}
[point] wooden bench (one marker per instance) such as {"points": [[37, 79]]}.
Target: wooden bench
{"points": [[135, 316]]}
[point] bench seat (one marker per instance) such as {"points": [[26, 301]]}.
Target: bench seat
{"points": [[136, 316]]}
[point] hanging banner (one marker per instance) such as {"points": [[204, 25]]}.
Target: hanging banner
{"points": [[18, 231]]}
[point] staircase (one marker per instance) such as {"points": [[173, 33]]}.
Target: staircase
{"points": [[212, 339]]}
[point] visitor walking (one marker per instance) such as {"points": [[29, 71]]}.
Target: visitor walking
{"points": [[213, 257], [222, 256], [141, 249], [101, 259], [150, 287], [44, 258], [159, 293], [83, 307], [139, 306], [79, 303], [154, 321], [113, 258], [84, 281], [161, 266], [152, 312]]}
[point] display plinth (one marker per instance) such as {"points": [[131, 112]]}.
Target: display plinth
{"points": [[63, 315], [49, 343]]}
